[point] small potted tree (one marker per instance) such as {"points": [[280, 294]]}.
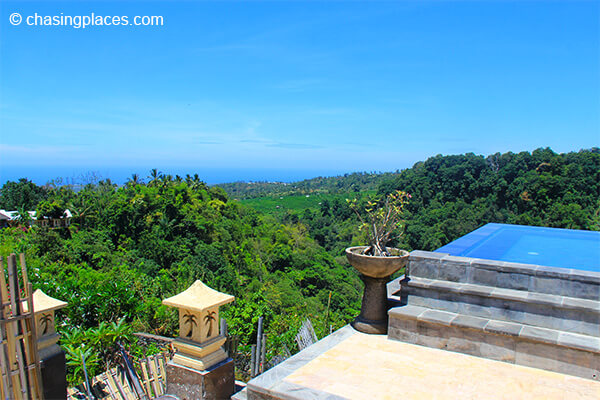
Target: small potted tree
{"points": [[382, 220]]}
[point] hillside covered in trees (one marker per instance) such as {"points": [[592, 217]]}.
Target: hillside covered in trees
{"points": [[129, 247], [453, 195], [348, 183]]}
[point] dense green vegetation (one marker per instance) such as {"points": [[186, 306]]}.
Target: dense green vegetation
{"points": [[130, 247], [348, 183], [453, 195]]}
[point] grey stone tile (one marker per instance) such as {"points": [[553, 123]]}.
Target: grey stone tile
{"points": [[537, 355], [484, 277], [518, 317], [418, 282], [403, 334], [510, 294], [461, 307], [553, 272], [465, 341], [436, 316], [519, 268], [453, 269], [544, 298], [426, 255], [477, 290], [583, 290], [445, 286], [539, 334], [513, 281], [582, 365], [415, 291], [496, 347], [487, 264], [582, 342], [457, 260], [580, 315], [449, 301], [478, 310], [580, 327], [406, 311], [469, 321], [585, 276], [547, 285], [393, 287], [544, 321], [431, 335], [241, 395], [424, 269], [503, 328], [581, 304], [419, 301]]}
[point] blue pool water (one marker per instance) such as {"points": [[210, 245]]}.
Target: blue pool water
{"points": [[564, 248]]}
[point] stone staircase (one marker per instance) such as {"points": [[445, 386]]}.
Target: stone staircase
{"points": [[536, 316]]}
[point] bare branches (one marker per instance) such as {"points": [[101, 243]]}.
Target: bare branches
{"points": [[382, 218]]}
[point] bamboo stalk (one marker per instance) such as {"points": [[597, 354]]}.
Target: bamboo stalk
{"points": [[146, 377], [155, 385], [33, 341], [13, 287], [4, 359]]}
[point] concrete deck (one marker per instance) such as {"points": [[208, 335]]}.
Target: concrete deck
{"points": [[352, 365]]}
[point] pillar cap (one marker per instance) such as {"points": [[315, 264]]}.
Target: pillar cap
{"points": [[44, 303], [198, 297]]}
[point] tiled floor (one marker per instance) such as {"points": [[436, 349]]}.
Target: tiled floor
{"points": [[373, 367]]}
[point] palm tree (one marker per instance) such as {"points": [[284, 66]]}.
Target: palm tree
{"points": [[45, 321], [134, 180], [23, 217], [155, 175], [209, 319], [190, 319]]}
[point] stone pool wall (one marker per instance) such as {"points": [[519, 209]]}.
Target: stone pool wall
{"points": [[538, 316], [500, 274]]}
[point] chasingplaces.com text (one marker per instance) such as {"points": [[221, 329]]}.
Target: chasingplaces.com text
{"points": [[85, 21]]}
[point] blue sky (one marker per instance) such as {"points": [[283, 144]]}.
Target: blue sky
{"points": [[286, 90]]}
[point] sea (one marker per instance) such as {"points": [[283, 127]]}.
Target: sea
{"points": [[120, 175]]}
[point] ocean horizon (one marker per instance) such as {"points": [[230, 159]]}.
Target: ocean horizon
{"points": [[119, 175]]}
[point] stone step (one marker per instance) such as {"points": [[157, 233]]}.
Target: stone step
{"points": [[538, 309], [553, 350], [241, 395]]}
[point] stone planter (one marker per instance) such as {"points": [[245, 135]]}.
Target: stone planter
{"points": [[375, 273]]}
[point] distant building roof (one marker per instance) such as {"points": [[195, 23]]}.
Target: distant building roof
{"points": [[14, 215]]}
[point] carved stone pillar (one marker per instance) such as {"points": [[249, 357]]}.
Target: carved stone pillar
{"points": [[52, 357], [200, 368]]}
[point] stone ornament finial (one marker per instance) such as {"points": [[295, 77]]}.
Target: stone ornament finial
{"points": [[200, 342]]}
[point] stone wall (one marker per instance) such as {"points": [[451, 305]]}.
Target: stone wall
{"points": [[499, 274], [525, 314]]}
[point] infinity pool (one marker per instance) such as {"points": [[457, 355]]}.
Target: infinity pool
{"points": [[564, 248]]}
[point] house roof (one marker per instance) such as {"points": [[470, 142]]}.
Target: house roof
{"points": [[13, 215]]}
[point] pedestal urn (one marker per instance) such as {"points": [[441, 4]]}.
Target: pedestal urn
{"points": [[375, 273]]}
